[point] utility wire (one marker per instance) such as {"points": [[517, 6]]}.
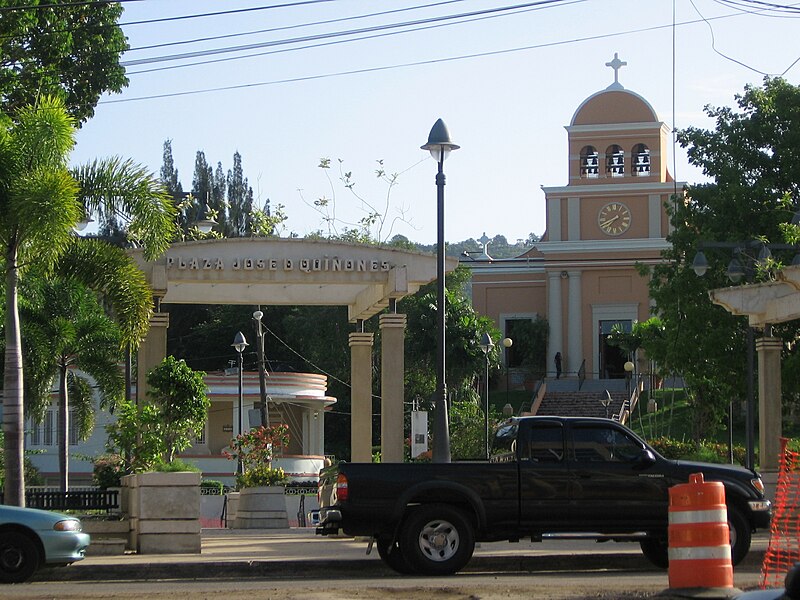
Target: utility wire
{"points": [[336, 42], [242, 48], [400, 65], [296, 26]]}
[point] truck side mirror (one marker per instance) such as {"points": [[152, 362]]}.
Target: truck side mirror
{"points": [[645, 459]]}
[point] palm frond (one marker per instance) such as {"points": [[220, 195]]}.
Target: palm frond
{"points": [[128, 190]]}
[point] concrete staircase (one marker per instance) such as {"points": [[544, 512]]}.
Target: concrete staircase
{"points": [[563, 398], [109, 536], [579, 404]]}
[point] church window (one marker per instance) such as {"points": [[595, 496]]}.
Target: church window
{"points": [[640, 159], [589, 162], [615, 161]]}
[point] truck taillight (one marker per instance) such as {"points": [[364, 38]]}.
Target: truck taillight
{"points": [[341, 487]]}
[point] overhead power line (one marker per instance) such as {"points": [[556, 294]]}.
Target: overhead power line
{"points": [[243, 48]]}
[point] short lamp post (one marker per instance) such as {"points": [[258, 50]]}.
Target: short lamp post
{"points": [[741, 266], [507, 343], [440, 145], [629, 366], [240, 343], [262, 375], [606, 401], [486, 345]]}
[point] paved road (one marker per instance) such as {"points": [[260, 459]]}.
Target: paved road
{"points": [[297, 564]]}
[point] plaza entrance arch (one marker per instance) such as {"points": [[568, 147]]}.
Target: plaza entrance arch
{"points": [[279, 271]]}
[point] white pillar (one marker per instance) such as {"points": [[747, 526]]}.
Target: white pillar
{"points": [[555, 340], [574, 324]]}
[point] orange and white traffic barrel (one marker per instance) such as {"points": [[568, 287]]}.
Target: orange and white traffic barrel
{"points": [[699, 538]]}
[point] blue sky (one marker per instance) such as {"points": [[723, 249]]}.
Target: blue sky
{"points": [[505, 85]]}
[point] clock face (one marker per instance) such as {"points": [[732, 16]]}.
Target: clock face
{"points": [[614, 218]]}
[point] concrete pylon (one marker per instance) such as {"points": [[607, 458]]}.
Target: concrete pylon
{"points": [[393, 327], [769, 402], [361, 397]]}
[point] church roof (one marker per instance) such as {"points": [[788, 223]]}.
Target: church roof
{"points": [[614, 105]]}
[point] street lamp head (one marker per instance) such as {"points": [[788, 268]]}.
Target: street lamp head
{"points": [[735, 270], [239, 342], [629, 366], [507, 342], [439, 142], [486, 343], [700, 264], [83, 223], [764, 254], [258, 315]]}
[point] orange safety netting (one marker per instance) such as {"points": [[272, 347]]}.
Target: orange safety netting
{"points": [[784, 536]]}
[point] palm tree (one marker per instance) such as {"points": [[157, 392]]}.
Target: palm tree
{"points": [[67, 336], [41, 201]]}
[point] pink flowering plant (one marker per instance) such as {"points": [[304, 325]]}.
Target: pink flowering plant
{"points": [[256, 449]]}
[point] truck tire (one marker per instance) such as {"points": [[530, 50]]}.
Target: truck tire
{"points": [[741, 534], [392, 556], [437, 539], [19, 557], [656, 550]]}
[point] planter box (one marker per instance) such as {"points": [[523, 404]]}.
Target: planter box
{"points": [[262, 508], [164, 510]]}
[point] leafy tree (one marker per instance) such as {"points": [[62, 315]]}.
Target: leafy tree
{"points": [[465, 358], [60, 47], [137, 435], [179, 393], [40, 203], [68, 336], [752, 154]]}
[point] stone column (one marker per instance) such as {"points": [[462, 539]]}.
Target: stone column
{"points": [[393, 327], [151, 351], [574, 324], [361, 397], [769, 402], [555, 312]]}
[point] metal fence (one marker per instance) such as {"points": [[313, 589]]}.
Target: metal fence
{"points": [[81, 500]]}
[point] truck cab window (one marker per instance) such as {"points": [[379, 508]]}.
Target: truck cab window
{"points": [[547, 444], [604, 444]]}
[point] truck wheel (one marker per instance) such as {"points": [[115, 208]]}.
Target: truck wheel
{"points": [[437, 539], [656, 550], [390, 553], [19, 557], [741, 535]]}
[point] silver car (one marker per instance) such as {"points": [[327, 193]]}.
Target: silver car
{"points": [[32, 538]]}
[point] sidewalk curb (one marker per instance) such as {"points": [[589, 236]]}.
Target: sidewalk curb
{"points": [[161, 568]]}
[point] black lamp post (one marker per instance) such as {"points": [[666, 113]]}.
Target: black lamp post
{"points": [[239, 343], [440, 145], [741, 266], [486, 345], [262, 375]]}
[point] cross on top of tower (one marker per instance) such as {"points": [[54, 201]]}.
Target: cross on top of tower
{"points": [[616, 64]]}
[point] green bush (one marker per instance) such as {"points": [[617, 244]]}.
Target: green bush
{"points": [[261, 476], [107, 470], [706, 451], [175, 466], [214, 484]]}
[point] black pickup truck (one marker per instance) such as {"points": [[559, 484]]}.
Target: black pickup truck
{"points": [[548, 476]]}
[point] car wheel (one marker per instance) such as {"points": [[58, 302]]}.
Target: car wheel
{"points": [[656, 550], [437, 539], [390, 553], [741, 534], [19, 557]]}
